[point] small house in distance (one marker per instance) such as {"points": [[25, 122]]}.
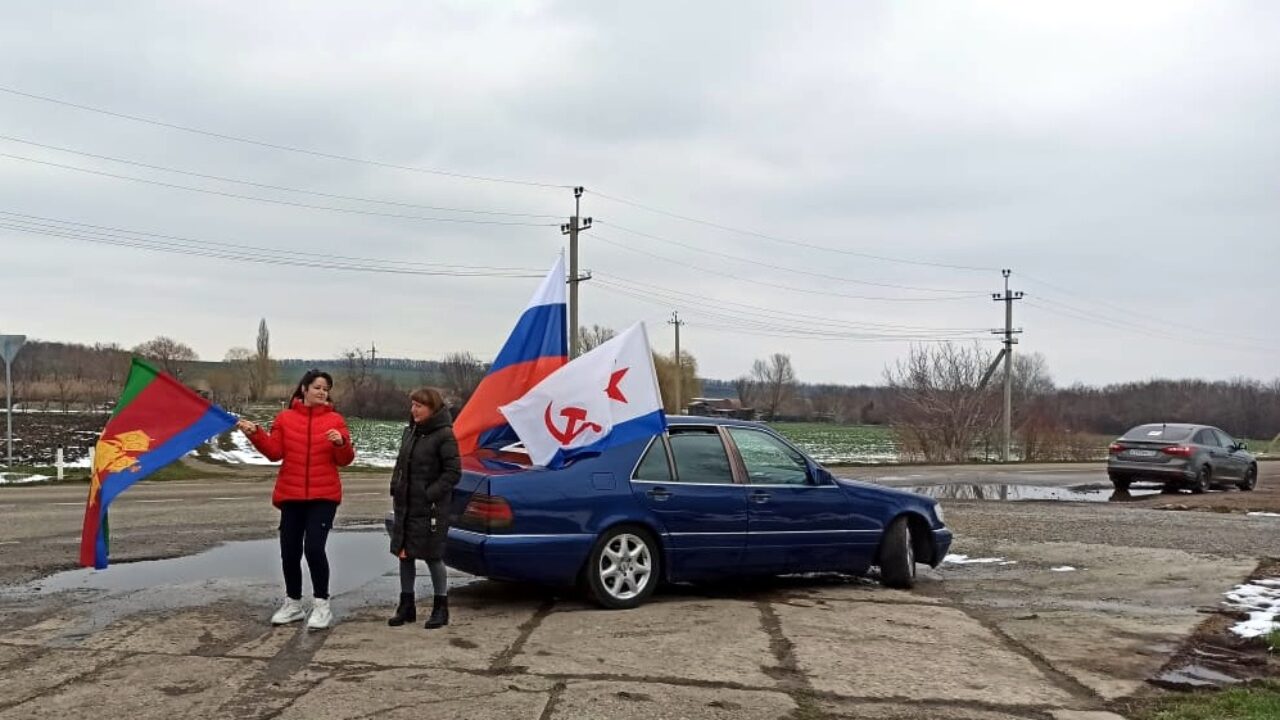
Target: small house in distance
{"points": [[720, 407]]}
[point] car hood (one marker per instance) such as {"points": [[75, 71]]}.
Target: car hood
{"points": [[866, 489]]}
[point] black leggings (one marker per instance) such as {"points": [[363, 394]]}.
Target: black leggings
{"points": [[304, 528]]}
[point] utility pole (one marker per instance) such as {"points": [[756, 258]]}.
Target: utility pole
{"points": [[373, 354], [576, 224], [1009, 341], [677, 322]]}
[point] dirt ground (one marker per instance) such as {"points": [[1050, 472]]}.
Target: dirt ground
{"points": [[177, 627]]}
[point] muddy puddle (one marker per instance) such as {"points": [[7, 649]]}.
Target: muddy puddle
{"points": [[1012, 492], [363, 573]]}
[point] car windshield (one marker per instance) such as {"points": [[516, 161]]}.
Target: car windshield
{"points": [[1158, 433]]}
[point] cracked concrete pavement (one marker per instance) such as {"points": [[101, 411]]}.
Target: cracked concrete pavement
{"points": [[985, 642]]}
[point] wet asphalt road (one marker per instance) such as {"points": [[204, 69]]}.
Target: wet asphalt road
{"points": [[41, 529]]}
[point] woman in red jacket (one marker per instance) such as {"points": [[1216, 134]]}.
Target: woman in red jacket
{"points": [[312, 440]]}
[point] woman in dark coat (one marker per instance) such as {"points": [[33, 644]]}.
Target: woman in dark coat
{"points": [[422, 490]]}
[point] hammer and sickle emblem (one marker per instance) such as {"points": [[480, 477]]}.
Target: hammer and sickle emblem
{"points": [[576, 424]]}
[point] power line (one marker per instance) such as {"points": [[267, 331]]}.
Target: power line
{"points": [[1127, 311], [775, 266], [1135, 329], [267, 186], [276, 146], [289, 203], [664, 295], [777, 326], [786, 241], [269, 257], [809, 291]]}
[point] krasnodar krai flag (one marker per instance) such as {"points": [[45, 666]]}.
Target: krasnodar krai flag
{"points": [[537, 347], [605, 398]]}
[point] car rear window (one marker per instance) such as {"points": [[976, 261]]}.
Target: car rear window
{"points": [[1158, 433]]}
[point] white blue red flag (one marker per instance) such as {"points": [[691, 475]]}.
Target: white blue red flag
{"points": [[605, 398], [537, 347]]}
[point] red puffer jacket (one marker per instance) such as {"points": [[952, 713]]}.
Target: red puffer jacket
{"points": [[311, 462]]}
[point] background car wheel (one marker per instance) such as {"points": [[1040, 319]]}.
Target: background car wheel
{"points": [[1120, 483], [898, 556], [622, 571], [1250, 480], [1203, 478]]}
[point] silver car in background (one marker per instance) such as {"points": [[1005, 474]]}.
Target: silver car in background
{"points": [[1181, 455]]}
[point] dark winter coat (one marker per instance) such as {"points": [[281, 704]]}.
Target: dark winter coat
{"points": [[422, 487], [311, 462]]}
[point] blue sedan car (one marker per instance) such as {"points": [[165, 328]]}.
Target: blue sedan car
{"points": [[710, 498]]}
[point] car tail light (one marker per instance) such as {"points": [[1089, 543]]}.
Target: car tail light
{"points": [[1178, 451], [488, 512], [1116, 448]]}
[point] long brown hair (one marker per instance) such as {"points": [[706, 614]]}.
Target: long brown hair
{"points": [[428, 396]]}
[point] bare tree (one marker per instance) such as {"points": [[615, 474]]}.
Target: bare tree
{"points": [[776, 380], [263, 368], [462, 372], [745, 388], [942, 410], [168, 352], [593, 337]]}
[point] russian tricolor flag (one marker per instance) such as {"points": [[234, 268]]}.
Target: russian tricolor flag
{"points": [[537, 347]]}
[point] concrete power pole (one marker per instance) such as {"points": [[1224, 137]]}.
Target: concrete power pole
{"points": [[576, 224], [677, 322], [1009, 341]]}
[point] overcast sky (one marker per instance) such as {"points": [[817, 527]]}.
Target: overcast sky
{"points": [[880, 162]]}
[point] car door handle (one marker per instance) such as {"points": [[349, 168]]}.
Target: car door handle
{"points": [[659, 494], [759, 497]]}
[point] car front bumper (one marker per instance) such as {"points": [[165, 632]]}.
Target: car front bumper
{"points": [[941, 545]]}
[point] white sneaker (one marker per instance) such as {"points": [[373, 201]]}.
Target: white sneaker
{"points": [[321, 615], [290, 611]]}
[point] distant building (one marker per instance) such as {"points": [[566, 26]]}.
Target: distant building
{"points": [[720, 407]]}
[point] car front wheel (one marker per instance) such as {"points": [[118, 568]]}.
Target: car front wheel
{"points": [[1250, 480], [622, 571], [898, 556]]}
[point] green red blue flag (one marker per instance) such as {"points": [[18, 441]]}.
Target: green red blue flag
{"points": [[156, 422]]}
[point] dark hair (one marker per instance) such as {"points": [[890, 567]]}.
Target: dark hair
{"points": [[428, 396], [309, 378]]}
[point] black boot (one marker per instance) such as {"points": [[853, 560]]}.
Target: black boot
{"points": [[406, 611], [439, 613]]}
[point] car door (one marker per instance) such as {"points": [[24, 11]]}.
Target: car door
{"points": [[1214, 452], [686, 480], [1235, 459], [796, 520]]}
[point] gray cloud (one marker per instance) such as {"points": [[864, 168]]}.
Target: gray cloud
{"points": [[1122, 153]]}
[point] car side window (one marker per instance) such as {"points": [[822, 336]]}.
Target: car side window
{"points": [[1210, 438], [653, 467], [769, 461], [700, 457], [1224, 439]]}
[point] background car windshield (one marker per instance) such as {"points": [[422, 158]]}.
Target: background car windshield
{"points": [[1158, 433], [769, 461]]}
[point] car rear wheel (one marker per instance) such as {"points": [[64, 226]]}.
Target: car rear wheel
{"points": [[1250, 480], [1120, 482], [898, 556], [1203, 478], [622, 571]]}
